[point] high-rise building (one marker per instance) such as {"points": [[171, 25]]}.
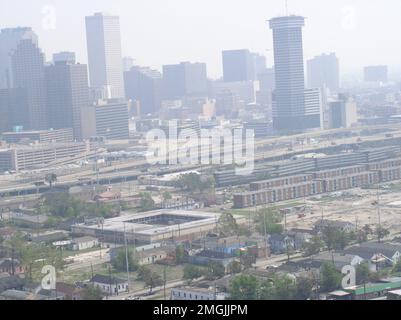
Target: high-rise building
{"points": [[184, 79], [266, 87], [343, 112], [67, 92], [238, 65], [145, 86], [108, 119], [289, 104], [376, 74], [14, 111], [68, 57], [259, 65], [104, 54], [315, 104], [27, 62], [9, 40], [128, 63], [324, 71]]}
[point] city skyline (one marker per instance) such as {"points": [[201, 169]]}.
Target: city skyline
{"points": [[329, 28]]}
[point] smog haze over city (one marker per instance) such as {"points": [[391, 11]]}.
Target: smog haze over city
{"points": [[207, 151], [199, 30]]}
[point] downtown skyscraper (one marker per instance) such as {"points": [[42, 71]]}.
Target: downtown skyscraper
{"points": [[28, 73], [9, 41], [104, 55], [324, 71], [66, 93], [289, 99]]}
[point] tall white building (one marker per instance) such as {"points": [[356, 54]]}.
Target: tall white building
{"points": [[289, 100], [9, 40], [315, 107], [104, 55]]}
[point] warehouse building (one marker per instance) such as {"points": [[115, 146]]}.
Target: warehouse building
{"points": [[152, 227]]}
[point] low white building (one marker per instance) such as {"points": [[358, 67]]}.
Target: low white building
{"points": [[110, 285], [194, 293], [84, 243]]}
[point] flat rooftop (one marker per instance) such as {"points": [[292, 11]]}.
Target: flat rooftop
{"points": [[155, 222]]}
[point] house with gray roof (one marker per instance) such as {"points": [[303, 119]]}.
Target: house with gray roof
{"points": [[379, 255]]}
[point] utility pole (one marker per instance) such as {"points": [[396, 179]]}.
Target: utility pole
{"points": [[265, 231], [110, 282], [164, 281], [126, 257], [378, 212]]}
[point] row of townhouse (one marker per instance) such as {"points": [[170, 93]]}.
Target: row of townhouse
{"points": [[310, 184]]}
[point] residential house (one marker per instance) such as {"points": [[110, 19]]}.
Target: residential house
{"points": [[12, 267], [196, 293], [205, 257], [339, 259], [378, 255], [340, 225], [281, 243], [110, 285], [70, 292], [146, 257], [84, 243], [300, 238]]}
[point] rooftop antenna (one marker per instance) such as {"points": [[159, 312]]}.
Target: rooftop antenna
{"points": [[286, 7]]}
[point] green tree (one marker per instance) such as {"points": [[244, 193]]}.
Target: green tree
{"points": [[193, 183], [227, 225], [215, 270], [285, 288], [312, 247], [362, 273], [51, 178], [381, 232], [335, 238], [331, 277], [119, 261], [270, 221], [54, 258], [304, 289], [244, 287], [192, 272], [234, 267], [153, 280], [143, 273], [146, 201], [92, 292], [180, 254], [267, 290], [397, 267], [15, 246], [29, 254]]}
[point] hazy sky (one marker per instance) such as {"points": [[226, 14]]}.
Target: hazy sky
{"points": [[157, 32]]}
